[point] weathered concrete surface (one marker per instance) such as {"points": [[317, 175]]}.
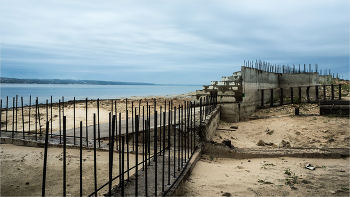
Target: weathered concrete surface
{"points": [[222, 150], [208, 128]]}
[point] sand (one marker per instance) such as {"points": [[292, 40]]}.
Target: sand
{"points": [[80, 112], [22, 171]]}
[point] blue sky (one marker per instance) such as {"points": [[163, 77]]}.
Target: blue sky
{"points": [[168, 42]]}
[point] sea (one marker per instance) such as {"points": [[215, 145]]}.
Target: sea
{"points": [[81, 92]]}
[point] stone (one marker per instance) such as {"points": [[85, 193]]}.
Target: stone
{"points": [[330, 140], [226, 194], [234, 127], [228, 143], [261, 143], [27, 183], [285, 144]]}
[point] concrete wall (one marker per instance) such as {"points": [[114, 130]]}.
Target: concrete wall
{"points": [[208, 128], [297, 79]]}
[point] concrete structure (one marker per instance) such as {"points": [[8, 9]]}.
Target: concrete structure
{"points": [[239, 95]]}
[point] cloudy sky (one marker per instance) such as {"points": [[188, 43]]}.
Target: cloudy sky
{"points": [[177, 42]]}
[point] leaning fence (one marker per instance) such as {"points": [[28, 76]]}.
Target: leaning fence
{"points": [[162, 143]]}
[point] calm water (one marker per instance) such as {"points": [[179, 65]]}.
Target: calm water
{"points": [[80, 92]]}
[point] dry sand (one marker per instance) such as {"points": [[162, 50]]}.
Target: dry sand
{"points": [[215, 176], [22, 171], [80, 112], [266, 177]]}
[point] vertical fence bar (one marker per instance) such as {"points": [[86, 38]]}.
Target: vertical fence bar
{"points": [[146, 152], [169, 144], [74, 120], [299, 94], [179, 140], [16, 111], [122, 174], [13, 117], [23, 115], [324, 92], [155, 152], [291, 95], [86, 122], [143, 138], [281, 96], [7, 108], [160, 131], [163, 169], [59, 119], [51, 116], [98, 122], [95, 156], [81, 158], [332, 91], [39, 115], [110, 165], [188, 131], [339, 91], [64, 157], [200, 110], [262, 98], [1, 118], [120, 152], [191, 110], [136, 153], [36, 119], [317, 94], [132, 125], [174, 141], [271, 98], [127, 137], [185, 128], [30, 104], [194, 122], [182, 134], [45, 156]]}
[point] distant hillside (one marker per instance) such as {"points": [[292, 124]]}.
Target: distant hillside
{"points": [[67, 81]]}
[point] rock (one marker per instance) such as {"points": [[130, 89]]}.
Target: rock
{"points": [[27, 183], [226, 194], [234, 127], [285, 144], [269, 143], [293, 188], [306, 181], [261, 143], [330, 140], [332, 192], [228, 143]]}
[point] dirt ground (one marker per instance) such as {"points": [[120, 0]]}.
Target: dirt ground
{"points": [[215, 176], [22, 171], [267, 177], [80, 112], [308, 130]]}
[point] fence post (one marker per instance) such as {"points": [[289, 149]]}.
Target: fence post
{"points": [[291, 95], [308, 94], [317, 95], [86, 124], [262, 98], [64, 157], [81, 158], [95, 157], [332, 90], [122, 175], [281, 97], [324, 92], [45, 156], [163, 169], [110, 165], [23, 116], [137, 152], [155, 151], [339, 91], [271, 98], [299, 94]]}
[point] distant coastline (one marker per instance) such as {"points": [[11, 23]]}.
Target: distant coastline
{"points": [[66, 81]]}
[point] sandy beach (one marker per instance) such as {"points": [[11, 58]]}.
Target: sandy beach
{"points": [[105, 107]]}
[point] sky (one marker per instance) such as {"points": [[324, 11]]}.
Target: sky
{"points": [[168, 42]]}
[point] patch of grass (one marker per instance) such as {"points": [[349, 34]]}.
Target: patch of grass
{"points": [[211, 158], [287, 171], [345, 189], [292, 180]]}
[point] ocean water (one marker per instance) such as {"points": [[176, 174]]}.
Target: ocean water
{"points": [[81, 92]]}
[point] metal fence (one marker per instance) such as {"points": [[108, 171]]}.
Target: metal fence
{"points": [[165, 141]]}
